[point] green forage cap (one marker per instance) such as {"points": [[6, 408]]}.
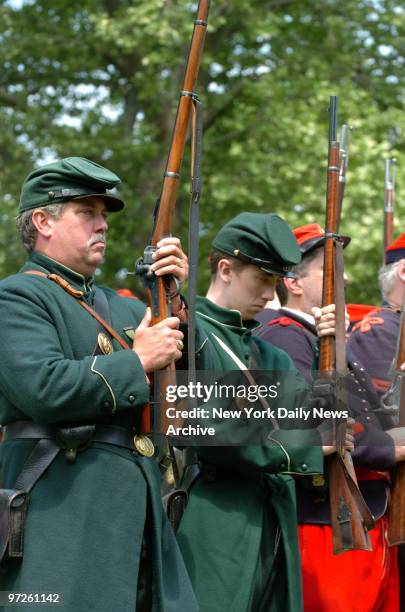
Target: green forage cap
{"points": [[264, 240], [69, 179]]}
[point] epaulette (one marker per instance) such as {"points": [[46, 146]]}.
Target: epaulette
{"points": [[357, 428], [284, 322], [369, 320]]}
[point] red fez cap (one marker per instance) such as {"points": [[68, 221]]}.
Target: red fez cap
{"points": [[127, 293], [311, 236], [396, 250]]}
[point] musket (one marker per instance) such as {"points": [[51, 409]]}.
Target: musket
{"points": [[157, 288], [396, 508], [389, 196], [350, 517]]}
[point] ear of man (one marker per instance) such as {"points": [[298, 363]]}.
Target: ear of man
{"points": [[42, 222], [225, 270], [401, 270], [293, 285]]}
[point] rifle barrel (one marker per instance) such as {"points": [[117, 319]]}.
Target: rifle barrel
{"points": [[333, 118], [389, 196]]}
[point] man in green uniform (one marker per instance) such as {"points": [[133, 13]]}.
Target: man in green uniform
{"points": [[94, 532], [238, 534]]}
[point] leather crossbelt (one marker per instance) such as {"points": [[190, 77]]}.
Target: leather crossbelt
{"points": [[78, 295]]}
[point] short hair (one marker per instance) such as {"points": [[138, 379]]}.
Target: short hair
{"points": [[388, 277], [215, 257], [300, 271], [26, 229], [282, 292]]}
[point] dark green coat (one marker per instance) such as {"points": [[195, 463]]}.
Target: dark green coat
{"points": [[86, 520], [238, 534]]}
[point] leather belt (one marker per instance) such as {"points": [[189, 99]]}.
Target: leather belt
{"points": [[108, 434]]}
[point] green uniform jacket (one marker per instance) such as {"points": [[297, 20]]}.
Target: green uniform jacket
{"points": [[87, 520], [238, 534]]}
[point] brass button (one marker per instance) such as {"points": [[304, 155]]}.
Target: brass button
{"points": [[105, 344], [318, 481], [144, 445]]}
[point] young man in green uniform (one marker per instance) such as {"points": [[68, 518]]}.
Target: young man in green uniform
{"points": [[94, 533], [238, 534]]}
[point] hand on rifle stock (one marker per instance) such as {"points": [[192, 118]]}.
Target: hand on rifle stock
{"points": [[325, 320], [159, 345], [170, 259], [327, 432], [398, 436]]}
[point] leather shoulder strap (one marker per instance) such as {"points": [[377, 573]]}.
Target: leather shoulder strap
{"points": [[78, 295], [248, 375], [41, 457]]}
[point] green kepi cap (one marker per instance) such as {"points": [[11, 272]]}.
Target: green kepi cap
{"points": [[68, 179], [262, 239]]}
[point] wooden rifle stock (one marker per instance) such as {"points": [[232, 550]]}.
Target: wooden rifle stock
{"points": [[396, 509], [389, 193], [157, 289], [350, 516]]}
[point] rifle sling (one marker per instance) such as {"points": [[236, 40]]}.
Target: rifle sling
{"points": [[193, 236], [367, 517], [341, 367], [340, 336]]}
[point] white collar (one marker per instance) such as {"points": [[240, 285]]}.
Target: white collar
{"points": [[303, 315]]}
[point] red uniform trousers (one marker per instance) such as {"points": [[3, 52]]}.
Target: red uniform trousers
{"points": [[355, 581]]}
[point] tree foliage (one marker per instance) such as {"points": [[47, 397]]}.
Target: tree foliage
{"points": [[101, 79]]}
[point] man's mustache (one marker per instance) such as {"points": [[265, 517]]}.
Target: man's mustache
{"points": [[98, 238]]}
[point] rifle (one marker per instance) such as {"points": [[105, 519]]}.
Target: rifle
{"points": [[350, 516], [157, 288], [396, 508], [389, 193]]}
